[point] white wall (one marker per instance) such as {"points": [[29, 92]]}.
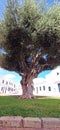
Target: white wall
{"points": [[9, 88], [51, 80]]}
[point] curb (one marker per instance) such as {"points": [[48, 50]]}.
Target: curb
{"points": [[29, 122]]}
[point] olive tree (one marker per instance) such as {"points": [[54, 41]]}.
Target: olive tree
{"points": [[32, 40]]}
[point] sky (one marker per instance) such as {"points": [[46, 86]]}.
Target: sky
{"points": [[12, 75], [16, 78], [2, 7], [3, 4], [8, 75]]}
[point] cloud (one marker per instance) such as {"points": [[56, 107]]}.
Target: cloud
{"points": [[9, 76]]}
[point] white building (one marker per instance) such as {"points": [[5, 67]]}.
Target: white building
{"points": [[49, 86], [7, 87]]}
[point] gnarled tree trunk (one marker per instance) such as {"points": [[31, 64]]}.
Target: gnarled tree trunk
{"points": [[27, 86]]}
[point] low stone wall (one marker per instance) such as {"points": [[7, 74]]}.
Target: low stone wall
{"points": [[28, 122]]}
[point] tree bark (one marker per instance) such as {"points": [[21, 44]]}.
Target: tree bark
{"points": [[27, 87]]}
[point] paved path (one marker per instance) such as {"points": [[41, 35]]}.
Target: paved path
{"points": [[29, 129]]}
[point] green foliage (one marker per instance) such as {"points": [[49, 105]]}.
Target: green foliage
{"points": [[49, 30], [2, 33], [31, 31], [11, 14]]}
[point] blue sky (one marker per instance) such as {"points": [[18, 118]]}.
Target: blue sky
{"points": [[3, 3], [2, 7], [10, 75]]}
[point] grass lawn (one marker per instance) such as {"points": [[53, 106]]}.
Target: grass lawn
{"points": [[13, 106]]}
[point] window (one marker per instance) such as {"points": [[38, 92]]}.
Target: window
{"points": [[2, 89], [57, 73], [40, 88], [49, 88], [11, 83], [14, 85], [9, 88], [2, 81], [34, 89], [44, 88], [59, 87], [37, 89], [12, 89], [6, 82]]}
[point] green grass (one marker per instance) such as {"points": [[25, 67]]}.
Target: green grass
{"points": [[13, 106]]}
